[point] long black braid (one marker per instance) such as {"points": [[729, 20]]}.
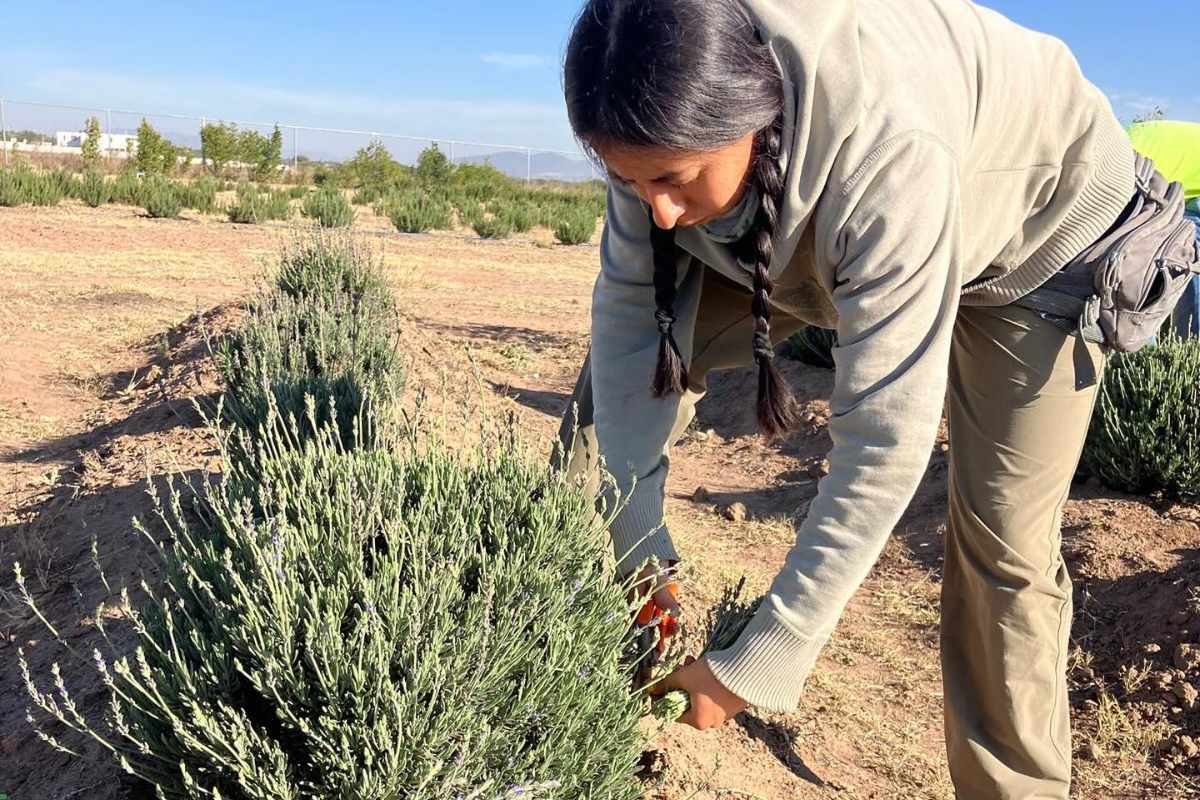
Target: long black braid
{"points": [[777, 408], [670, 376]]}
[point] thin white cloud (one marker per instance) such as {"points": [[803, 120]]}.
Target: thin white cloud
{"points": [[1133, 104], [514, 60]]}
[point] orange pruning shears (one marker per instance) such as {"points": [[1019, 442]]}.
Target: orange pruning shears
{"points": [[654, 619]]}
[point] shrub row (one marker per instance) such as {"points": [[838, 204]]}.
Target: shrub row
{"points": [[328, 208], [323, 329], [252, 205], [21, 185], [355, 613], [160, 196], [415, 211], [488, 201], [491, 203]]}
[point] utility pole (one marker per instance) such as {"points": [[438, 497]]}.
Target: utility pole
{"points": [[4, 131]]}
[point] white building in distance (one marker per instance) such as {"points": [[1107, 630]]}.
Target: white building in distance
{"points": [[108, 141]]}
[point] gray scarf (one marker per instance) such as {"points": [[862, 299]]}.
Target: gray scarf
{"points": [[734, 224]]}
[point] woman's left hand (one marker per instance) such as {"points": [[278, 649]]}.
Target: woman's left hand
{"points": [[711, 704]]}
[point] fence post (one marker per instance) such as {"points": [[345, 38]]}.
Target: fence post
{"points": [[296, 150], [109, 131], [528, 166], [451, 151], [4, 131]]}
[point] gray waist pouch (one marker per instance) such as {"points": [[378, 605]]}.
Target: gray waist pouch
{"points": [[1120, 290]]}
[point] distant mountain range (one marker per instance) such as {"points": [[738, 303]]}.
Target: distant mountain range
{"points": [[547, 166]]}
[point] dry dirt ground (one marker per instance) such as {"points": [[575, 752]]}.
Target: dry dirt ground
{"points": [[101, 354]]}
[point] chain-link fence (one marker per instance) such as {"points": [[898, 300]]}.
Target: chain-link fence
{"points": [[49, 128]]}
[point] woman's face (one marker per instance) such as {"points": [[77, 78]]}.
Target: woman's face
{"points": [[683, 188]]}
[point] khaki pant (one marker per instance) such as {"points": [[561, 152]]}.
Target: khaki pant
{"points": [[1017, 418]]}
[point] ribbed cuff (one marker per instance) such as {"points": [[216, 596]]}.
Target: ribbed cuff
{"points": [[768, 664], [638, 533]]}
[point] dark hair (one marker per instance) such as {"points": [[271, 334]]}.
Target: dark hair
{"points": [[687, 75]]}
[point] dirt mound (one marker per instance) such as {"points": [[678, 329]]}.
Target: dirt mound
{"points": [[145, 430]]}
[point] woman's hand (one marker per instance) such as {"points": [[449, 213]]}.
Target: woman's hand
{"points": [[711, 705]]}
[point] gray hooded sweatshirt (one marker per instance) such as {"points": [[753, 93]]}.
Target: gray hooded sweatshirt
{"points": [[935, 154]]}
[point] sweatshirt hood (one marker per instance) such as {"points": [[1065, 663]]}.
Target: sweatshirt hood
{"points": [[816, 46]]}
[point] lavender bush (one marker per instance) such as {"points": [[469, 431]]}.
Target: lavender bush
{"points": [[327, 329], [398, 622]]}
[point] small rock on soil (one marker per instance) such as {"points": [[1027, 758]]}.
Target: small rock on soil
{"points": [[1187, 656], [735, 512], [1187, 694]]}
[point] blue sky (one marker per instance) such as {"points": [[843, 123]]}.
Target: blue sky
{"points": [[469, 70]]}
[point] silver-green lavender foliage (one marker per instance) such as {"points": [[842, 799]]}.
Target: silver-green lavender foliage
{"points": [[416, 211], [66, 183], [492, 227], [329, 208], [160, 197], [470, 213], [575, 226], [366, 196], [15, 186], [376, 624], [1145, 431], [320, 262], [94, 189], [337, 348], [252, 205], [248, 207], [200, 194], [521, 214], [126, 188], [279, 204], [42, 188]]}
